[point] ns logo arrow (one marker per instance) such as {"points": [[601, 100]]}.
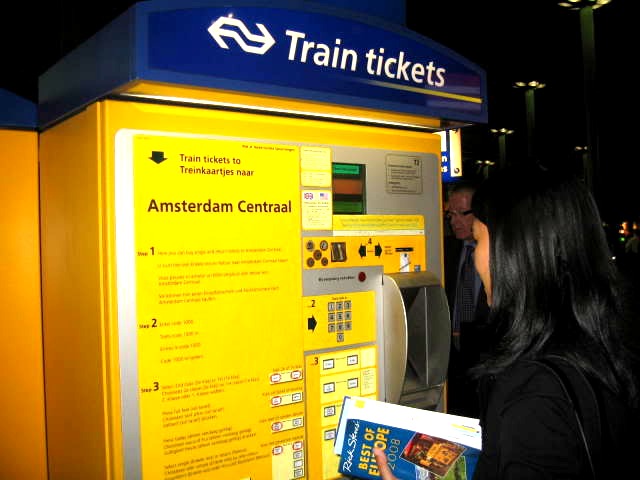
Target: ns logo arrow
{"points": [[217, 30]]}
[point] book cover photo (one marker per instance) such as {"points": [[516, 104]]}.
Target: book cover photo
{"points": [[411, 455]]}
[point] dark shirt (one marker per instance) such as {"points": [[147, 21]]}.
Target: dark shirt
{"points": [[529, 430], [453, 249], [476, 339]]}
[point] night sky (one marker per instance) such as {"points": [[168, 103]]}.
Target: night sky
{"points": [[512, 40]]}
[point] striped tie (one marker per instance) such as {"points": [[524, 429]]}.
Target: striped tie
{"points": [[464, 295]]}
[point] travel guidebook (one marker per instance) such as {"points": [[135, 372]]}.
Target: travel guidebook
{"points": [[419, 444]]}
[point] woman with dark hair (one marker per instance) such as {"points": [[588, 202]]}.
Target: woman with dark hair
{"points": [[558, 397]]}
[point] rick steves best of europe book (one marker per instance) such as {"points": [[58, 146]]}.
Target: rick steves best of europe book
{"points": [[419, 444]]}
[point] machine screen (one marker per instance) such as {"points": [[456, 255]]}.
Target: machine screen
{"points": [[348, 188]]}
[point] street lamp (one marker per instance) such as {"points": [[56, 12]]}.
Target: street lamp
{"points": [[586, 8], [578, 4], [583, 151], [484, 165], [502, 133], [529, 98]]}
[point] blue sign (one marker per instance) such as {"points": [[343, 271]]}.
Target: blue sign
{"points": [[451, 155], [298, 50], [318, 56]]}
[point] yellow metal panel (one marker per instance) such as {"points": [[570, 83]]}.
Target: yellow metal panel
{"points": [[22, 443], [206, 122], [80, 286], [339, 315], [396, 253], [330, 377], [73, 299]]}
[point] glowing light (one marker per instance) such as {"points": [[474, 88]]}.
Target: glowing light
{"points": [[578, 4], [256, 108]]}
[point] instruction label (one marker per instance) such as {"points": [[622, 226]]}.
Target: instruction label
{"points": [[216, 298]]}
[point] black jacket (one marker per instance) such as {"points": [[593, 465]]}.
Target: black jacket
{"points": [[529, 430], [476, 339], [452, 251], [474, 344]]}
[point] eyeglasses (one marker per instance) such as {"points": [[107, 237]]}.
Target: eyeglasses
{"points": [[449, 214]]}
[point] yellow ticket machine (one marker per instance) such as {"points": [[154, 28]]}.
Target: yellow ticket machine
{"points": [[22, 447], [230, 219]]}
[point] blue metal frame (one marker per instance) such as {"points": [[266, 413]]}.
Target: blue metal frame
{"points": [[17, 112]]}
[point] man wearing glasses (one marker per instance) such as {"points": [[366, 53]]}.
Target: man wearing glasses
{"points": [[467, 302]]}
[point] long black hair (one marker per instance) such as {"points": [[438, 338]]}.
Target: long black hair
{"points": [[554, 284]]}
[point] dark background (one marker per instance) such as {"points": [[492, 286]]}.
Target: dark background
{"points": [[539, 40], [512, 40]]}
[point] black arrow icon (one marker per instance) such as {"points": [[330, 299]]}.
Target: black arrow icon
{"points": [[362, 251], [378, 250], [311, 323], [157, 156]]}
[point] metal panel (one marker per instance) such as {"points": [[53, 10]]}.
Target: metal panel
{"points": [[429, 337]]}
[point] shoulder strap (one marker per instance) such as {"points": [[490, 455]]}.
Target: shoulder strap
{"points": [[581, 397]]}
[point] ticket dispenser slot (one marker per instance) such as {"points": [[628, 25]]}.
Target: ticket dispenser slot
{"points": [[425, 313]]}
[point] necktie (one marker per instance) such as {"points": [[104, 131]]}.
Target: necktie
{"points": [[464, 294]]}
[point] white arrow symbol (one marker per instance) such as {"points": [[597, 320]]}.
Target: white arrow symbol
{"points": [[217, 31]]}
